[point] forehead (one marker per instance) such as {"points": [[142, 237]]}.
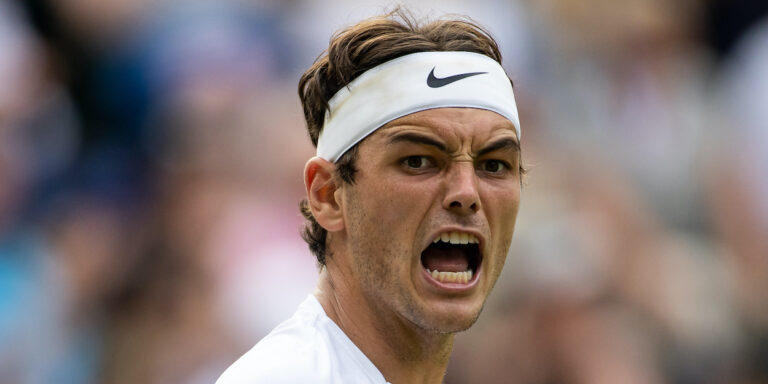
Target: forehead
{"points": [[454, 122]]}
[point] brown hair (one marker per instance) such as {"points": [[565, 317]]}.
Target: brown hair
{"points": [[358, 48]]}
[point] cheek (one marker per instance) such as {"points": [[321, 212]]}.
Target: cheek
{"points": [[501, 209], [384, 219], [399, 206], [501, 212]]}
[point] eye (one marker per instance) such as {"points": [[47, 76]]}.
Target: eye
{"points": [[417, 162], [494, 166]]}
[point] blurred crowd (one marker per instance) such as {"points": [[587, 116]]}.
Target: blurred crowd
{"points": [[151, 156]]}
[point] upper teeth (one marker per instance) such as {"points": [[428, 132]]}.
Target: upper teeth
{"points": [[454, 237]]}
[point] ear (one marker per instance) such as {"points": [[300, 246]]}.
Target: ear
{"points": [[321, 193]]}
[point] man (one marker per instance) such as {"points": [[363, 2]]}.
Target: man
{"points": [[411, 203]]}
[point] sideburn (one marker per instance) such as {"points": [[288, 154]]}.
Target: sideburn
{"points": [[346, 167]]}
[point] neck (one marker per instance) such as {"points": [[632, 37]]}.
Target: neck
{"points": [[403, 352]]}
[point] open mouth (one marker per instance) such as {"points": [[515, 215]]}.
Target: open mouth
{"points": [[454, 257]]}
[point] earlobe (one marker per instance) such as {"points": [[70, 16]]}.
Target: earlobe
{"points": [[321, 193]]}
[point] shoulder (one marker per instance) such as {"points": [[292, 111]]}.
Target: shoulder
{"points": [[280, 359], [307, 348], [294, 352]]}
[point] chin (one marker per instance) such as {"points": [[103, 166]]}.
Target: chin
{"points": [[449, 319], [452, 325]]}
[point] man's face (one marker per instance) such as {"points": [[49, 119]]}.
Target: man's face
{"points": [[440, 173]]}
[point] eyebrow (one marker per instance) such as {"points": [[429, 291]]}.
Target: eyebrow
{"points": [[507, 143], [416, 138]]}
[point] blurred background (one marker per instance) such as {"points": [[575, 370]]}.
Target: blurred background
{"points": [[151, 156]]}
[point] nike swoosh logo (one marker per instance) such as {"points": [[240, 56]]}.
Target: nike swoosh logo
{"points": [[434, 82]]}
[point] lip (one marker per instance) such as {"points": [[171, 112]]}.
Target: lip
{"points": [[452, 287], [477, 234]]}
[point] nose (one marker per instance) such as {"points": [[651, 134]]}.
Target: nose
{"points": [[461, 195]]}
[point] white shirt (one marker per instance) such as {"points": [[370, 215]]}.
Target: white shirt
{"points": [[307, 348]]}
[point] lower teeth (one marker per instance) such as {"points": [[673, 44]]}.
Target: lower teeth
{"points": [[451, 277]]}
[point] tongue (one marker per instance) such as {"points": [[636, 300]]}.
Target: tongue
{"points": [[445, 259]]}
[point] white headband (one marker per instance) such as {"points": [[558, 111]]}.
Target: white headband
{"points": [[409, 84]]}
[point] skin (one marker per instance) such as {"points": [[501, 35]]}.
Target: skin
{"points": [[418, 176]]}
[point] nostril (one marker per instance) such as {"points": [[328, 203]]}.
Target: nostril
{"points": [[457, 204]]}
